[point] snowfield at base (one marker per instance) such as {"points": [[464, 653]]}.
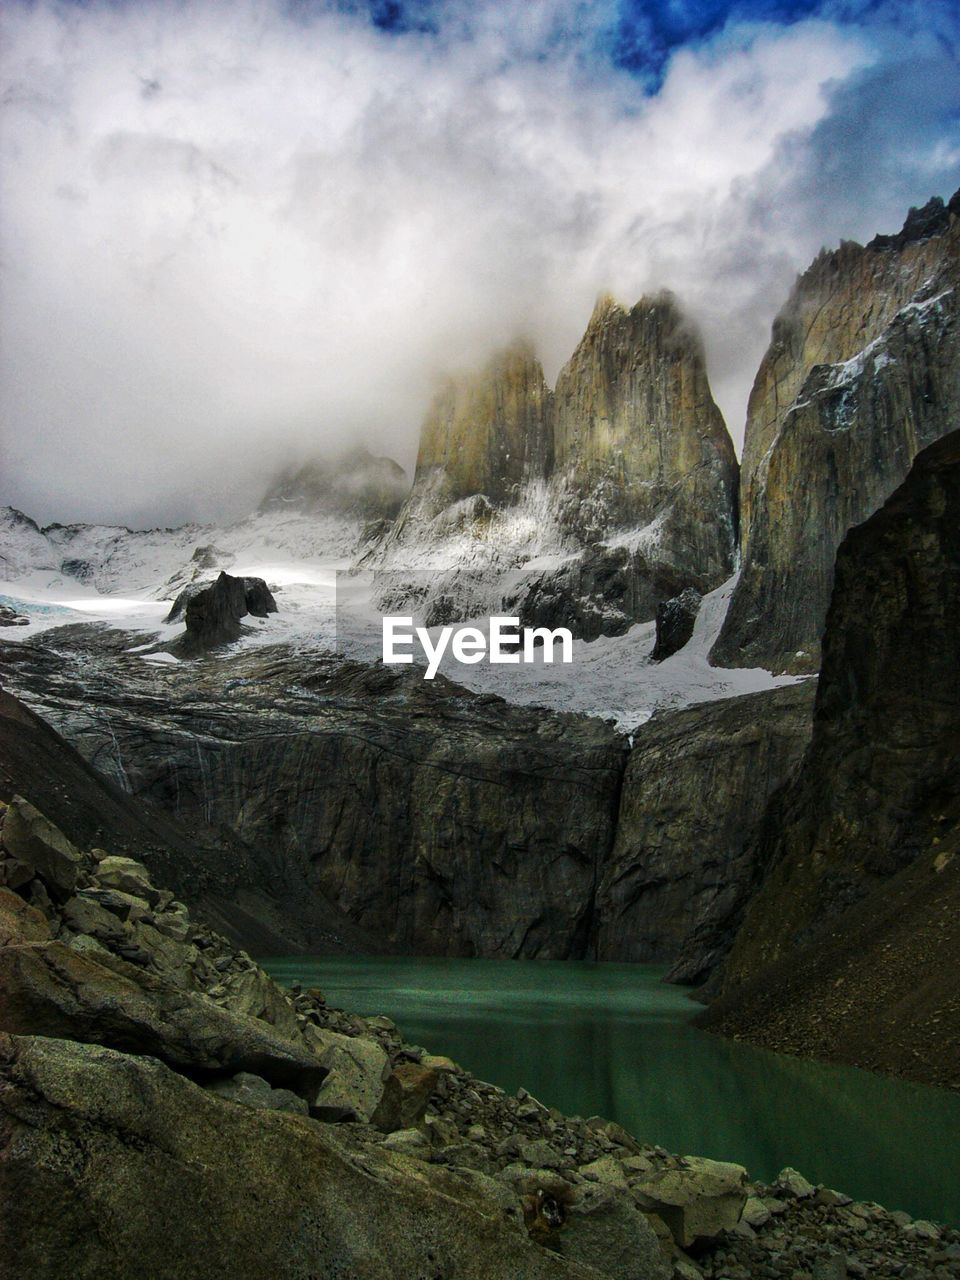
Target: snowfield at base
{"points": [[612, 677]]}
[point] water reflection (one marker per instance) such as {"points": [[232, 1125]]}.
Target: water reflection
{"points": [[613, 1040]]}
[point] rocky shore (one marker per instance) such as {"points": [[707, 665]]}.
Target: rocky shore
{"points": [[166, 1109]]}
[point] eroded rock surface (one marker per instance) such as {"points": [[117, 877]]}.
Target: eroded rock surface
{"points": [[863, 371]]}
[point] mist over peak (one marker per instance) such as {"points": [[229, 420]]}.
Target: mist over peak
{"points": [[240, 236]]}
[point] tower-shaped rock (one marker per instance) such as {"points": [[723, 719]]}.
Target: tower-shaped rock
{"points": [[638, 437]]}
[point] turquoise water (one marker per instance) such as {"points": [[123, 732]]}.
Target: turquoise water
{"points": [[613, 1040]]}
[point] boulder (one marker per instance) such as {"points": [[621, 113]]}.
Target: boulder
{"points": [[604, 1229], [697, 1200], [125, 906], [84, 914], [19, 922], [32, 840], [128, 876], [676, 619], [252, 993], [151, 1175], [407, 1090], [53, 990], [358, 1068], [791, 1185], [212, 612]]}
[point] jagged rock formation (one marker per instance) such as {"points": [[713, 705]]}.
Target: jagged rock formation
{"points": [[638, 438], [863, 370], [694, 794], [356, 483], [623, 478], [676, 619], [213, 611], [257, 598], [859, 852]]}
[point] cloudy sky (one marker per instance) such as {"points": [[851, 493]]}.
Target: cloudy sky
{"points": [[238, 232]]}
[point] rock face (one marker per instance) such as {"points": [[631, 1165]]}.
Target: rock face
{"points": [[486, 433], [863, 371], [257, 600], [638, 438], [438, 820], [247, 892], [870, 820], [694, 794]]}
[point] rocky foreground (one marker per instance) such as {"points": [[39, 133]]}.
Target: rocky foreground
{"points": [[167, 1110]]}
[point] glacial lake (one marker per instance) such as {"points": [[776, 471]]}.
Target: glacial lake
{"points": [[613, 1040]]}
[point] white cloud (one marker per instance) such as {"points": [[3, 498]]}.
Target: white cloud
{"points": [[230, 236]]}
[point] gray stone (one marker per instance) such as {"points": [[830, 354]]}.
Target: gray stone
{"points": [[604, 1229], [128, 876], [32, 840], [201, 1189], [607, 1170], [791, 1185], [254, 1091], [697, 1200], [84, 915], [755, 1213], [538, 1153], [358, 1068], [52, 990]]}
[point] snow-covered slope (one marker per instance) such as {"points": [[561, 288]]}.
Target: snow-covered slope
{"points": [[158, 562], [131, 577]]}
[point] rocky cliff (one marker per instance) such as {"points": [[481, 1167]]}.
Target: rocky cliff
{"points": [[638, 438], [438, 820], [863, 370], [859, 888], [695, 790]]}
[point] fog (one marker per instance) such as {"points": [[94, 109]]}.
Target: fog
{"points": [[237, 235]]}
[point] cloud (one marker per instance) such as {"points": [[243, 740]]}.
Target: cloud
{"points": [[234, 234]]}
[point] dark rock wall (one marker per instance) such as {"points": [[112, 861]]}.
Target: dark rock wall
{"points": [[877, 788]]}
